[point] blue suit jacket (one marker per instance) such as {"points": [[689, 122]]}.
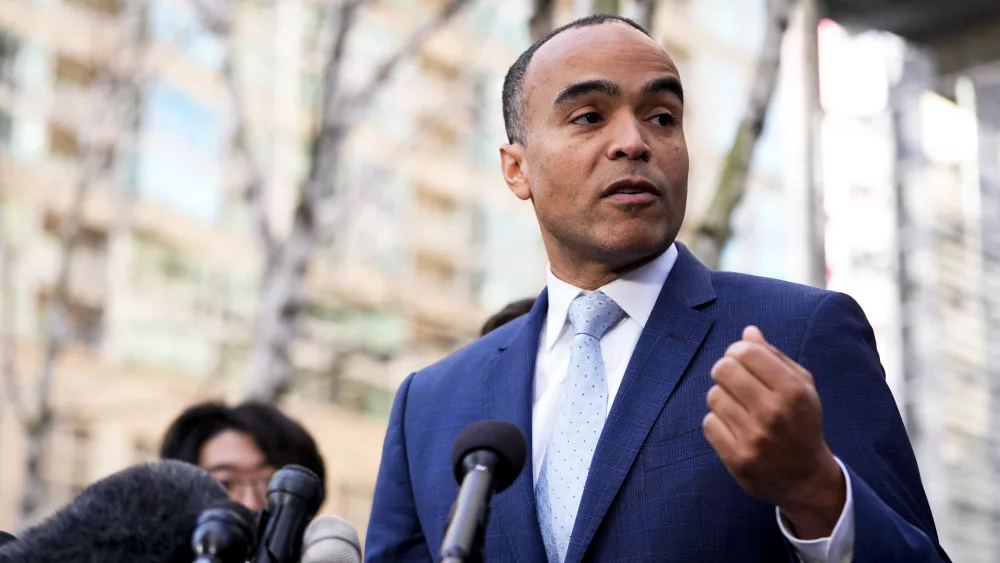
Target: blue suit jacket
{"points": [[657, 491]]}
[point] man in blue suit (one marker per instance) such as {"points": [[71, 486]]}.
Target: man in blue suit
{"points": [[662, 425]]}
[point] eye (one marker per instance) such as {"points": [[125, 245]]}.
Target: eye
{"points": [[664, 120], [589, 118]]}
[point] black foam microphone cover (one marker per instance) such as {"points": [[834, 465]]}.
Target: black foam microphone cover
{"points": [[498, 436], [224, 533], [293, 497]]}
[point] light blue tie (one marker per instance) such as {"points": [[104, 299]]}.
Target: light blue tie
{"points": [[582, 410]]}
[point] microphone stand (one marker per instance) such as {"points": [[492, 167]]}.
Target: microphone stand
{"points": [[464, 539]]}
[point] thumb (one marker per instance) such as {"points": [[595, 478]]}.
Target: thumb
{"points": [[753, 334]]}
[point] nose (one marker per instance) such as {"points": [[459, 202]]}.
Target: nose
{"points": [[248, 497], [629, 141]]}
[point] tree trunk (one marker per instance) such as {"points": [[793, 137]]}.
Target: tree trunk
{"points": [[542, 18], [39, 426], [270, 369], [34, 490], [647, 13], [95, 158], [715, 228]]}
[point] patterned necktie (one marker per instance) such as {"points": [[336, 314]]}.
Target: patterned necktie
{"points": [[582, 410]]}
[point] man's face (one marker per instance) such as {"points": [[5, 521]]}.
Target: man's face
{"points": [[605, 164], [233, 459]]}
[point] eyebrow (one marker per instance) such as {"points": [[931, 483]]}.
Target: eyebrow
{"points": [[664, 84], [231, 467], [585, 88]]}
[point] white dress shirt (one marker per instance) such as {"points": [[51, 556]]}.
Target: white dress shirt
{"points": [[636, 293]]}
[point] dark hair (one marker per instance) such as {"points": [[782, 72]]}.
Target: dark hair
{"points": [[513, 83], [282, 440], [510, 312]]}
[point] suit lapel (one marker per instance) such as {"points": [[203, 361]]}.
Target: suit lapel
{"points": [[672, 336], [509, 395]]}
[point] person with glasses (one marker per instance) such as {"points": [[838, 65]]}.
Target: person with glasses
{"points": [[241, 446]]}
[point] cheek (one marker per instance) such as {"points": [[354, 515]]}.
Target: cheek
{"points": [[560, 176]]}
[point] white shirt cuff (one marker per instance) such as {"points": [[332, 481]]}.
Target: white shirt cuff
{"points": [[839, 547]]}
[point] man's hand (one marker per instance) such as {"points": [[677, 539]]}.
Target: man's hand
{"points": [[766, 424]]}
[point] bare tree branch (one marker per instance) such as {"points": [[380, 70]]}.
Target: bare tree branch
{"points": [[542, 18], [412, 45], [269, 372], [215, 19], [115, 92], [8, 323], [220, 21], [715, 228]]}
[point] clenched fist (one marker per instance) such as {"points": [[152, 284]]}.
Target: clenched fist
{"points": [[766, 424]]}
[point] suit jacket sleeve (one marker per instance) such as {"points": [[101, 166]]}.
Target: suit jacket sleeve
{"points": [[394, 532], [893, 521]]}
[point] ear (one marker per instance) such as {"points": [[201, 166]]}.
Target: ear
{"points": [[514, 169]]}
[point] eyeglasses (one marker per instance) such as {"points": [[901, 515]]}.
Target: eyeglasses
{"points": [[236, 484]]}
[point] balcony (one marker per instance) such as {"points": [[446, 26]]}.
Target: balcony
{"points": [[922, 21], [961, 32]]}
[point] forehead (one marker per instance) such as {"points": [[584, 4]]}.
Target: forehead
{"points": [[613, 51]]}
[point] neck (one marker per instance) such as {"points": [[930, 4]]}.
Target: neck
{"points": [[591, 275]]}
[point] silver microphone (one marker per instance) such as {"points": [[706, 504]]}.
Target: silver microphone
{"points": [[329, 539]]}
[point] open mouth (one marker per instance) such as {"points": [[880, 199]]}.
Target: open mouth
{"points": [[631, 191]]}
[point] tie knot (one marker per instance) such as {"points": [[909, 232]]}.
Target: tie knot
{"points": [[594, 314]]}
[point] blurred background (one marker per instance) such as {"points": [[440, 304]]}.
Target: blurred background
{"points": [[300, 201]]}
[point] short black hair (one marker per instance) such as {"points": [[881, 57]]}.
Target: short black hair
{"points": [[510, 312], [513, 83], [282, 440]]}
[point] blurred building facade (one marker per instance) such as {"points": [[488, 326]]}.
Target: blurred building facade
{"points": [[910, 160], [428, 241], [163, 282]]}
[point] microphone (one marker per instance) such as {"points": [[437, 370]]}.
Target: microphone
{"points": [[143, 513], [293, 497], [6, 538], [329, 539], [224, 534], [487, 457]]}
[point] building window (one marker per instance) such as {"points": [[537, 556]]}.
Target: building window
{"points": [[62, 141], [70, 70], [435, 268], [432, 201], [433, 66], [106, 7], [181, 165]]}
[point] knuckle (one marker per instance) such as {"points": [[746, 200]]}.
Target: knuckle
{"points": [[714, 395], [723, 369], [757, 441], [740, 351], [742, 461], [774, 416], [799, 392]]}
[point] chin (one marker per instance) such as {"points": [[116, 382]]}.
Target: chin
{"points": [[637, 246]]}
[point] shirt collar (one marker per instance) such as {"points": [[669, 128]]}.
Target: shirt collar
{"points": [[635, 292]]}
